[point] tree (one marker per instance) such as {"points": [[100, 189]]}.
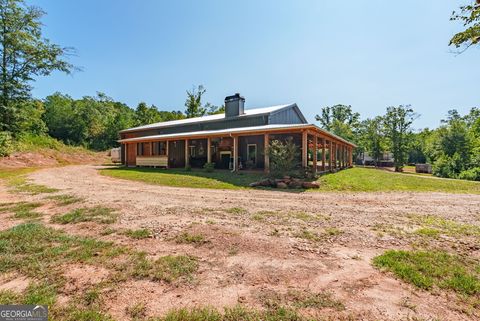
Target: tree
{"points": [[145, 115], [418, 146], [397, 123], [340, 120], [212, 109], [469, 15], [371, 137], [193, 103], [25, 54]]}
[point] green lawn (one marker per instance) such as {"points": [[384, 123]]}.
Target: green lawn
{"points": [[219, 179], [375, 180], [354, 179]]}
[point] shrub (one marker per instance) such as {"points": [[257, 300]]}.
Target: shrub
{"points": [[188, 168], [6, 143], [283, 157], [209, 167], [472, 174], [448, 166]]}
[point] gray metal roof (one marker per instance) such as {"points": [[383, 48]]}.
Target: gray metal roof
{"points": [[216, 117]]}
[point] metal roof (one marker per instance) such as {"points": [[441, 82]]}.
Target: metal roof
{"points": [[248, 112], [229, 131]]}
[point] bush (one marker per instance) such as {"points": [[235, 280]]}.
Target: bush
{"points": [[448, 166], [209, 167], [188, 168], [283, 157], [472, 174], [6, 143]]}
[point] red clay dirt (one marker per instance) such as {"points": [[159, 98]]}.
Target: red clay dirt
{"points": [[260, 248]]}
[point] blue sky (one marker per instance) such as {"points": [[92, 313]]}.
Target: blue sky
{"points": [[366, 53]]}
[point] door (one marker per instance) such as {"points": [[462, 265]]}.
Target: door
{"points": [[176, 154], [131, 154]]}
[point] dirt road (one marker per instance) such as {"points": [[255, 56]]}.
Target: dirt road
{"points": [[260, 242]]}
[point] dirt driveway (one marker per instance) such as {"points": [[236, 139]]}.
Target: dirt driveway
{"points": [[260, 244]]}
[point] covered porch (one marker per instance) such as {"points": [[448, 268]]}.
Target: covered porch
{"points": [[238, 149]]}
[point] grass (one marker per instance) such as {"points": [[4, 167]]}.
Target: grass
{"points": [[166, 268], [189, 238], [238, 312], [97, 214], [23, 210], [427, 270], [63, 200], [237, 210], [36, 251], [138, 234], [434, 225], [15, 179], [181, 178], [356, 179], [375, 180]]}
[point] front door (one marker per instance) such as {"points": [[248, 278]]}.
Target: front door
{"points": [[131, 154], [176, 154]]}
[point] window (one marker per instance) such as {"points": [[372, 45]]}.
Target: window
{"points": [[193, 151], [162, 148], [159, 148], [252, 153], [139, 149]]}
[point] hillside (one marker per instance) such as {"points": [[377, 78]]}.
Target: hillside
{"points": [[42, 151]]}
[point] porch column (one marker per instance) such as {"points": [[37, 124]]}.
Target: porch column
{"points": [[341, 156], [304, 149], [351, 156], [235, 153], [187, 152], [266, 144], [315, 142], [323, 154], [331, 156], [209, 150], [166, 151]]}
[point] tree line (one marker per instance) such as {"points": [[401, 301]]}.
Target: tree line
{"points": [[453, 148]]}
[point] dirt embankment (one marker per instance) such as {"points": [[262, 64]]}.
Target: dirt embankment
{"points": [[50, 157]]}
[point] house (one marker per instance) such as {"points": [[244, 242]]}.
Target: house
{"points": [[235, 140]]}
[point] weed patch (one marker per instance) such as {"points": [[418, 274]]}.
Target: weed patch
{"points": [[21, 210], [444, 226], [64, 200], [167, 268], [138, 234], [236, 313], [237, 210], [188, 238], [97, 214], [428, 269]]}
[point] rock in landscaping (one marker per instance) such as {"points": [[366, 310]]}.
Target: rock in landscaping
{"points": [[310, 185], [282, 185]]}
